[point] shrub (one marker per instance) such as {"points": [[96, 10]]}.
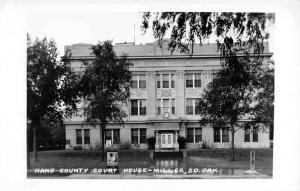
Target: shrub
{"points": [[206, 145], [125, 145], [151, 143], [181, 141], [97, 146], [77, 148]]}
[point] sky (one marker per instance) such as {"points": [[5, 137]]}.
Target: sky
{"points": [[90, 27], [87, 27]]}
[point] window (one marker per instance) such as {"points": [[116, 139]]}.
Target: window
{"points": [[221, 135], [158, 108], [158, 79], [255, 134], [217, 135], [134, 136], [214, 75], [134, 107], [194, 135], [225, 135], [165, 78], [271, 136], [138, 136], [197, 80], [190, 135], [193, 80], [134, 82], [247, 134], [108, 135], [197, 109], [143, 138], [142, 107], [198, 135], [172, 80], [86, 136], [165, 81], [166, 105], [191, 106], [138, 107], [189, 81], [142, 81], [78, 137], [116, 135], [173, 106], [113, 135], [138, 81]]}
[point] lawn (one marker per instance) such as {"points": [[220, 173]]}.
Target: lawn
{"points": [[220, 158]]}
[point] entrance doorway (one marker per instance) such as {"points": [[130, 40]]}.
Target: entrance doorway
{"points": [[167, 140]]}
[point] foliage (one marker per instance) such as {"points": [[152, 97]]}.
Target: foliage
{"points": [[77, 148], [105, 84], [265, 97], [188, 28], [206, 145], [182, 142], [151, 142], [51, 86], [125, 145], [97, 146]]}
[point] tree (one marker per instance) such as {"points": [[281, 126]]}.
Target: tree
{"points": [[51, 85], [105, 87], [265, 97], [228, 101], [240, 37]]}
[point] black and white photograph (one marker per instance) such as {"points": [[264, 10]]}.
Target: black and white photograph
{"points": [[197, 102], [154, 94]]}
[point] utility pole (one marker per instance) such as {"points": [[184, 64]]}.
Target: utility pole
{"points": [[134, 34]]}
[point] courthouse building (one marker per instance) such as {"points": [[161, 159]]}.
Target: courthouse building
{"points": [[165, 91]]}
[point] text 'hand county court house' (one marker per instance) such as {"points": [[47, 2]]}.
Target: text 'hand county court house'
{"points": [[164, 93]]}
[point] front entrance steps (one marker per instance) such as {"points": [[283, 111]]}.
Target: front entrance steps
{"points": [[167, 153]]}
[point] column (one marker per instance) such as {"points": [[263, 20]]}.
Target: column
{"points": [[151, 94], [176, 143], [156, 141], [82, 138], [180, 93]]}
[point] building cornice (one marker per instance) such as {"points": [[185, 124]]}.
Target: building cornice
{"points": [[168, 57]]}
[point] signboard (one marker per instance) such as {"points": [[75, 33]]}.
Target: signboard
{"points": [[252, 160], [112, 159], [108, 143]]}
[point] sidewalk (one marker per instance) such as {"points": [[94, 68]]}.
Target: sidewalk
{"points": [[167, 176]]}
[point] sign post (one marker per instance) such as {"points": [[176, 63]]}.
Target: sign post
{"points": [[252, 160], [112, 157], [252, 164]]}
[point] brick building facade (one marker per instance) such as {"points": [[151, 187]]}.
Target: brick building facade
{"points": [[165, 90]]}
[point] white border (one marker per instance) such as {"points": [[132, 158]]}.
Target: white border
{"points": [[13, 94]]}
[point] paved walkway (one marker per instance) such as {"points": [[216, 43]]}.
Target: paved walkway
{"points": [[162, 176]]}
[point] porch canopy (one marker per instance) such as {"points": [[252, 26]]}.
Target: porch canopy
{"points": [[167, 126]]}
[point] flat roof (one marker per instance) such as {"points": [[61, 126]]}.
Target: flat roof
{"points": [[150, 50]]}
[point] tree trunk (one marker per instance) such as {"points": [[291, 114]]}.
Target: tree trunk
{"points": [[232, 142], [34, 145], [102, 127], [28, 147]]}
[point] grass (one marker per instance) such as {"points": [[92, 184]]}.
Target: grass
{"points": [[215, 158], [222, 158], [81, 158]]}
